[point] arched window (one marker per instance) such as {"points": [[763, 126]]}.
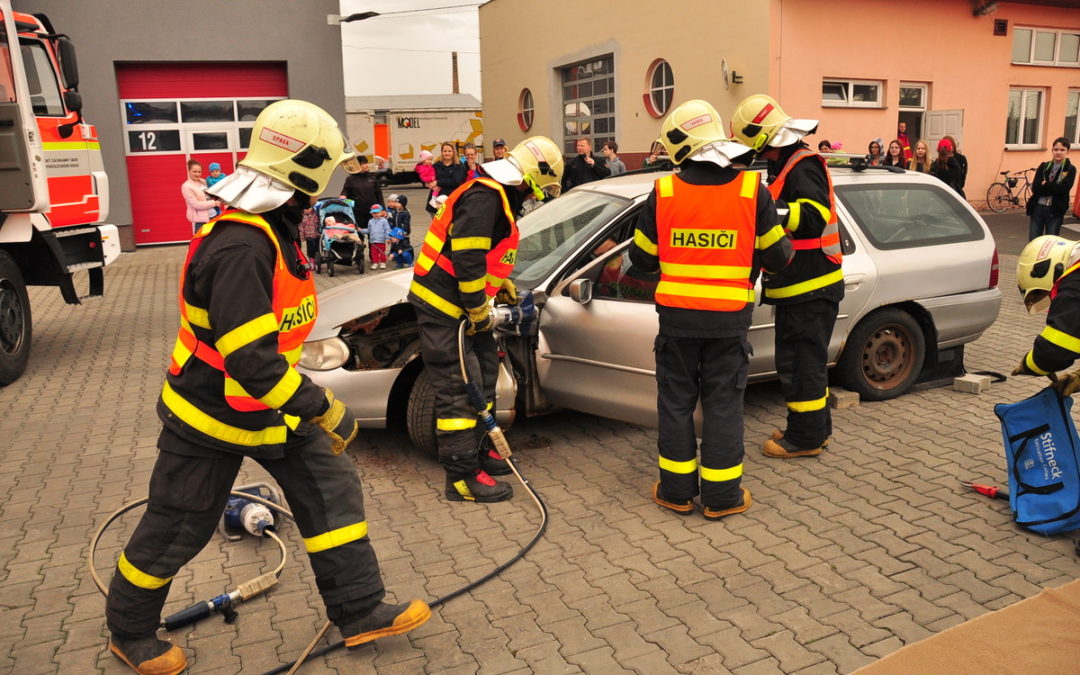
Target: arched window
{"points": [[659, 88], [525, 110]]}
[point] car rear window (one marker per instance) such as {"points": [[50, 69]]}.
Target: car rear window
{"points": [[909, 216]]}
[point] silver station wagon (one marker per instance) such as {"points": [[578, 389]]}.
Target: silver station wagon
{"points": [[920, 270]]}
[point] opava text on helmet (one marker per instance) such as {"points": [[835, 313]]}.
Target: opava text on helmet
{"points": [[690, 127]]}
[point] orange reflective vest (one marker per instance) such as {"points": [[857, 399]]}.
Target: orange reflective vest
{"points": [[1054, 289], [705, 238], [435, 250], [829, 241], [294, 308]]}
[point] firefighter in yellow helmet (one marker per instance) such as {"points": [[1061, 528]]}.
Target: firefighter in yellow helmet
{"points": [[247, 301], [707, 230], [1046, 273], [465, 263], [807, 292]]}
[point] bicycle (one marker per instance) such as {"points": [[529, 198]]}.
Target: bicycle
{"points": [[1003, 195]]}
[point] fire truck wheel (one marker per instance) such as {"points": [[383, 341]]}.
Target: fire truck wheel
{"points": [[15, 323]]}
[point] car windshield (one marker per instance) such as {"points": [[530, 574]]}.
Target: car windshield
{"points": [[554, 231]]}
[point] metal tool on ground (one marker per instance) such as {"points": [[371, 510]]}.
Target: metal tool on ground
{"points": [[991, 491]]}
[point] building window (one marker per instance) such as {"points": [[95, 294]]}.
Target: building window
{"points": [[588, 102], [1046, 47], [189, 126], [1023, 129], [1072, 107], [852, 93], [913, 96], [525, 110], [659, 88]]}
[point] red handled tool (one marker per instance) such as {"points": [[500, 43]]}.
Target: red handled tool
{"points": [[991, 491]]}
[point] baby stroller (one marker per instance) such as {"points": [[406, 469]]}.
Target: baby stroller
{"points": [[340, 241]]}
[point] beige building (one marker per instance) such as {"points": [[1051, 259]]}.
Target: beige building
{"points": [[1001, 77]]}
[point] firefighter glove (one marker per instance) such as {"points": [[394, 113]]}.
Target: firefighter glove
{"points": [[508, 294], [1021, 368], [1067, 384], [338, 423], [479, 319]]}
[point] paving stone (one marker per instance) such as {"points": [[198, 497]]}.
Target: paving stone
{"points": [[788, 651]]}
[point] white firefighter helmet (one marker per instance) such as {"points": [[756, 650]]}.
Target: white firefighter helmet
{"points": [[536, 161], [1041, 264], [694, 130], [295, 145], [759, 121]]}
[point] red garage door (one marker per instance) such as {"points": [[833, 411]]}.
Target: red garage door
{"points": [[175, 112]]}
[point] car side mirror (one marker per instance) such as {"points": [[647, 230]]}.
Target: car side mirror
{"points": [[580, 290]]}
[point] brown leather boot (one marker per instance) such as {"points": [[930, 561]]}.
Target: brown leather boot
{"points": [[149, 655], [778, 435], [783, 450], [683, 507], [384, 621], [711, 513]]}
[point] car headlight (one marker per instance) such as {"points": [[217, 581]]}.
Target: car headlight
{"points": [[324, 354]]}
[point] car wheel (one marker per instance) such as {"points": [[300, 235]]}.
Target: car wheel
{"points": [[883, 355], [15, 321], [420, 415]]}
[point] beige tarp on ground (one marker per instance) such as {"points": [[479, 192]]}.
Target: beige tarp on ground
{"points": [[1037, 635]]}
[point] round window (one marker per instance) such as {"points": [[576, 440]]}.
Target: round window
{"points": [[659, 88], [525, 110]]}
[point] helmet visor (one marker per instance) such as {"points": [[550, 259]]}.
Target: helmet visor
{"points": [[1037, 300]]}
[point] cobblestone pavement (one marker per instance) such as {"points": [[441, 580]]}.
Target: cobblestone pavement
{"points": [[842, 559]]}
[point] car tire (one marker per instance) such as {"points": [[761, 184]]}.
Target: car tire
{"points": [[16, 325], [883, 355], [420, 415]]}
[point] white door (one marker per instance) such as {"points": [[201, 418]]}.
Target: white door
{"points": [[940, 123]]}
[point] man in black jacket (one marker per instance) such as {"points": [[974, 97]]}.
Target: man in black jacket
{"points": [[363, 189], [585, 167], [1050, 192]]}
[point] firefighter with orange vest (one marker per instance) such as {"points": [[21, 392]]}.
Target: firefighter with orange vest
{"points": [[464, 263], [247, 302], [806, 293], [708, 229]]}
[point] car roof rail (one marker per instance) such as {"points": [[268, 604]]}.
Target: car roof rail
{"points": [[859, 163]]}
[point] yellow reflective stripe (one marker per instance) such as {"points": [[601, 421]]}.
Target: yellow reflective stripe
{"points": [[200, 421], [721, 475], [283, 390], [705, 271], [70, 145], [665, 187], [472, 286], [180, 353], [466, 243], [425, 262], [293, 355], [769, 238], [644, 243], [1061, 339], [246, 333], [233, 388], [291, 421], [338, 537], [454, 423], [1030, 360], [704, 291], [463, 489], [689, 466], [433, 240], [749, 184], [809, 406], [137, 577], [794, 215], [490, 405], [197, 315], [805, 286], [821, 208], [429, 296]]}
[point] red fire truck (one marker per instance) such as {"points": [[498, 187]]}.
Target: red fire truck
{"points": [[54, 193]]}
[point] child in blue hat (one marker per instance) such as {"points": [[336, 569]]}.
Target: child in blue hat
{"points": [[378, 230]]}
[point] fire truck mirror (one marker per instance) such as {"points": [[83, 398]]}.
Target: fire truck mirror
{"points": [[69, 65], [73, 101]]}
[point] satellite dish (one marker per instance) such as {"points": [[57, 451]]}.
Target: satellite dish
{"points": [[725, 73]]}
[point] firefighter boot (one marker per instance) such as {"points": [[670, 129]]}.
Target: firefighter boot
{"points": [[385, 620], [149, 655], [683, 507], [492, 463], [778, 435], [712, 513], [477, 487], [781, 449]]}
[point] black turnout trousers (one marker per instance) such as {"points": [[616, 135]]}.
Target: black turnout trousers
{"points": [[803, 331], [712, 370], [455, 417], [187, 498]]}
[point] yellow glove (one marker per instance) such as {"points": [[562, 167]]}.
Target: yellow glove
{"points": [[338, 423], [1067, 384], [507, 295], [479, 319]]}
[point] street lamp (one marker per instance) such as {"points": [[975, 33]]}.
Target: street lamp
{"points": [[337, 19]]}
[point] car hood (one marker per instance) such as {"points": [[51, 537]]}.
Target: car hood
{"points": [[357, 298]]}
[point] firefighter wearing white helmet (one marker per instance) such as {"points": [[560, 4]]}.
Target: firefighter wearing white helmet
{"points": [[232, 390], [807, 292], [706, 230], [1046, 273], [463, 265]]}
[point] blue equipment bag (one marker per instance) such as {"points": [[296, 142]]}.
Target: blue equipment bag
{"points": [[1042, 454]]}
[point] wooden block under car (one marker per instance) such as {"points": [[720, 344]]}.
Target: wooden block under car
{"points": [[842, 398], [972, 384]]}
